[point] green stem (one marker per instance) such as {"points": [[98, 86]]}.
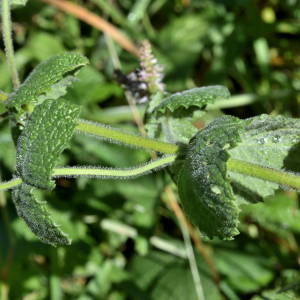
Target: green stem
{"points": [[116, 135], [101, 173], [282, 178], [6, 29], [10, 184], [115, 173]]}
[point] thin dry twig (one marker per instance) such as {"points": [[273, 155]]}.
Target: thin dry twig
{"points": [[95, 21]]}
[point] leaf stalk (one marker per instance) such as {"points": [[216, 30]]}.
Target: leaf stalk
{"points": [[100, 173], [114, 173], [283, 178], [112, 134]]}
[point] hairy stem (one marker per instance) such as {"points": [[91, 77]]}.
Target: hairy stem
{"points": [[109, 173], [282, 178], [116, 135], [10, 184], [6, 30], [101, 173]]}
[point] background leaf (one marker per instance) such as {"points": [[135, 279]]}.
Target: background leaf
{"points": [[166, 277]]}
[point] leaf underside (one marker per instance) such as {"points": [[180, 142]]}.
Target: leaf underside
{"points": [[46, 134], [204, 189], [172, 120], [267, 141]]}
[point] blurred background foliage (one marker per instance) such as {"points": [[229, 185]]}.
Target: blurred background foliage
{"points": [[127, 237]]}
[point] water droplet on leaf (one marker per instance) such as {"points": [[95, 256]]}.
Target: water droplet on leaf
{"points": [[276, 139]]}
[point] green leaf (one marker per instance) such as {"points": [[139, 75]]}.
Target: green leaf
{"points": [[43, 44], [165, 277], [46, 134], [180, 41], [267, 141], [196, 97], [50, 71], [204, 189], [279, 295], [276, 214], [206, 195], [172, 120], [36, 216], [245, 266]]}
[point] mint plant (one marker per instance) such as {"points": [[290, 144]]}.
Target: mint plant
{"points": [[227, 163]]}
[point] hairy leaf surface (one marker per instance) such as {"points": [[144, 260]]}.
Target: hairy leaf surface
{"points": [[204, 189], [206, 195], [37, 217], [46, 134], [172, 120], [267, 141], [50, 71]]}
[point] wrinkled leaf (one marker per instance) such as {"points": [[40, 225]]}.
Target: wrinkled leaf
{"points": [[36, 216], [196, 97], [43, 77], [48, 80], [203, 186], [172, 120], [46, 134], [206, 195]]}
